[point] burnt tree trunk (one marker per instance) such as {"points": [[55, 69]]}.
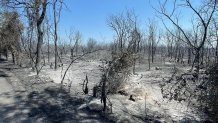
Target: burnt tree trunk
{"points": [[152, 52], [13, 58], [197, 60], [202, 56], [217, 50], [40, 35], [39, 46], [149, 57], [48, 50], [103, 92], [189, 56], [55, 35]]}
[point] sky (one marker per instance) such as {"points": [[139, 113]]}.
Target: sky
{"points": [[90, 16]]}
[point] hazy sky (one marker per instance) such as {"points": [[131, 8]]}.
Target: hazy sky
{"points": [[90, 16]]}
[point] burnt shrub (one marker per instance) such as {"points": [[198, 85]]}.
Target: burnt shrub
{"points": [[117, 71]]}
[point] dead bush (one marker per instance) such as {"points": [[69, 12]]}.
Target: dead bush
{"points": [[210, 97], [201, 91], [118, 71]]}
